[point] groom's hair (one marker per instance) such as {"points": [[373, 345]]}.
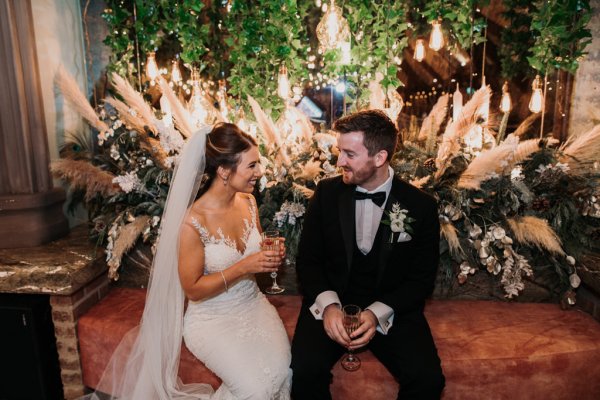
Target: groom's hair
{"points": [[379, 132]]}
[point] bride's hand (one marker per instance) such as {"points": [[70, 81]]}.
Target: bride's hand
{"points": [[264, 261]]}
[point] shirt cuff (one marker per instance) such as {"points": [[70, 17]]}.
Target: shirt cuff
{"points": [[323, 300], [384, 314]]}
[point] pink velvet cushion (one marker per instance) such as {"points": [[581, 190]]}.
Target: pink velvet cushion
{"points": [[489, 350]]}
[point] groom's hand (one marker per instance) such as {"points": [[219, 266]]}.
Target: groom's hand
{"points": [[333, 322], [365, 332]]}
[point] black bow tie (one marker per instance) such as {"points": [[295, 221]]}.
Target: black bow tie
{"points": [[377, 197]]}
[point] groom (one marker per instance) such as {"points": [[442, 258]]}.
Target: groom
{"points": [[372, 240]]}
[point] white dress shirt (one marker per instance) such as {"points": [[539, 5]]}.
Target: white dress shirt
{"points": [[367, 218]]}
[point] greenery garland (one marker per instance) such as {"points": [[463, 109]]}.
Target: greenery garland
{"points": [[516, 41]]}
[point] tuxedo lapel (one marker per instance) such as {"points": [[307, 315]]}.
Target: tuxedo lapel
{"points": [[347, 215]]}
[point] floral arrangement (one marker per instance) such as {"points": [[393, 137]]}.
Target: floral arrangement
{"points": [[518, 209]]}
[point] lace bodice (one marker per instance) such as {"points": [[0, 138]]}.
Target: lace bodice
{"points": [[220, 252]]}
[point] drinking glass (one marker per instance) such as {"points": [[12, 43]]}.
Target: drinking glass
{"points": [[350, 361], [271, 242]]}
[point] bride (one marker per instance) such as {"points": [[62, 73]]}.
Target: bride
{"points": [[208, 251]]}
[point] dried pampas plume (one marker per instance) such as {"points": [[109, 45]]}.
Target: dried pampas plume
{"points": [[268, 128], [420, 182], [450, 234], [77, 99], [531, 230], [180, 114], [487, 163], [472, 114], [306, 192], [432, 123], [83, 175], [582, 151], [128, 235], [526, 124], [130, 119], [135, 101], [310, 170]]}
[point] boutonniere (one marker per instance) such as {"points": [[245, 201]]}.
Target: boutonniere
{"points": [[399, 222]]}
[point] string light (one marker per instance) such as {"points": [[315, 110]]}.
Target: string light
{"points": [[197, 104], [436, 40], [505, 102], [419, 50], [151, 67], [537, 97], [333, 29]]}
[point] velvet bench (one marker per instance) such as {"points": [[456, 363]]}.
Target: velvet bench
{"points": [[489, 350]]}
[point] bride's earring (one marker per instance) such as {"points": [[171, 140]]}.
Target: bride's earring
{"points": [[224, 181]]}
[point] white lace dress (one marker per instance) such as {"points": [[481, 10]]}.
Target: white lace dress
{"points": [[238, 334]]}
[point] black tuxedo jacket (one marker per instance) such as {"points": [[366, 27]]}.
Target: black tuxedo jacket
{"points": [[406, 270]]}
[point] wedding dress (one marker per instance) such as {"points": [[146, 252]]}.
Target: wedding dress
{"points": [[238, 333]]}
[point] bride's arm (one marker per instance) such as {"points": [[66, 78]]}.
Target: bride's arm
{"points": [[196, 285]]}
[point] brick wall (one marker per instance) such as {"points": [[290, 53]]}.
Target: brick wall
{"points": [[66, 310]]}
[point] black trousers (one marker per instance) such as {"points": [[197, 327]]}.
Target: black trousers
{"points": [[407, 351]]}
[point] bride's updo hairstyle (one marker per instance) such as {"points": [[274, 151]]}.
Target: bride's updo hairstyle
{"points": [[224, 147]]}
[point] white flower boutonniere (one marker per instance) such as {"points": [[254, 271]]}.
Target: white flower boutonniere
{"points": [[399, 223]]}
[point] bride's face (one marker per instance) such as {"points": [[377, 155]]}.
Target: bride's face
{"points": [[248, 171]]}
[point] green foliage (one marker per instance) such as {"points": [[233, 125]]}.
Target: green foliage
{"points": [[263, 35], [559, 28], [516, 39]]}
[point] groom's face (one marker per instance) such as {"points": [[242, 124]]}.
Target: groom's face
{"points": [[357, 166]]}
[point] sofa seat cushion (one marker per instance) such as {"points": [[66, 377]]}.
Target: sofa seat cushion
{"points": [[489, 350]]}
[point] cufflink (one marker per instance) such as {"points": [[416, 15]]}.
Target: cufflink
{"points": [[317, 312]]}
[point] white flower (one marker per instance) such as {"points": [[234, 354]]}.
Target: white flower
{"points": [[397, 225], [110, 133], [118, 123], [114, 153], [262, 184], [128, 182], [516, 173], [289, 213]]}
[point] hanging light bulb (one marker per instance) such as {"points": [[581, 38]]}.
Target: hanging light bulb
{"points": [[333, 28], [196, 105], [176, 73], [537, 97], [393, 104], [346, 58], [436, 40], [457, 103], [505, 103], [151, 67], [283, 84], [419, 50]]}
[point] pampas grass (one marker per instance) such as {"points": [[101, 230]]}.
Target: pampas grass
{"points": [[528, 147], [135, 101], [269, 130], [470, 116], [487, 163], [77, 99], [128, 235], [182, 118], [531, 230], [420, 182], [311, 169], [131, 120], [306, 192], [523, 128], [449, 232], [432, 123], [83, 175], [582, 151]]}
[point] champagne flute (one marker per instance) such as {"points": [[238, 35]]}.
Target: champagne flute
{"points": [[271, 242], [350, 361]]}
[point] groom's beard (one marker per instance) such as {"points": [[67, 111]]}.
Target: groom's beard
{"points": [[359, 177]]}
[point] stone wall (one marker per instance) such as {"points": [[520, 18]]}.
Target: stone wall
{"points": [[585, 104]]}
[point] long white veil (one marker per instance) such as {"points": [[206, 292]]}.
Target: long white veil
{"points": [[146, 362]]}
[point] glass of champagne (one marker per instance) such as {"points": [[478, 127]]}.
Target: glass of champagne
{"points": [[271, 242], [350, 361]]}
